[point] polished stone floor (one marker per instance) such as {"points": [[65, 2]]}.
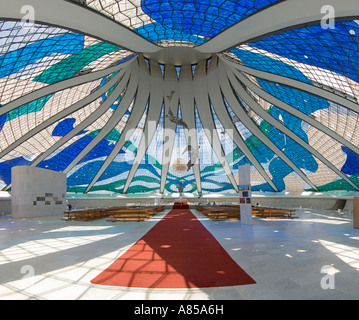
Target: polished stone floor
{"points": [[313, 257]]}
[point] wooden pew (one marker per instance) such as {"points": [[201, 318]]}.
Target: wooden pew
{"points": [[274, 213], [125, 213], [225, 212], [220, 212], [129, 215], [86, 214], [133, 214]]}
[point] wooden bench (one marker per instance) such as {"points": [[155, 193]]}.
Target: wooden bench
{"points": [[133, 214], [274, 213], [226, 212], [220, 212], [129, 215], [125, 213], [86, 214]]}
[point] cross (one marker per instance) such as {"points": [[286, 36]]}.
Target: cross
{"points": [[180, 188]]}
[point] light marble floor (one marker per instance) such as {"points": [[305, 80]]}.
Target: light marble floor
{"points": [[49, 258]]}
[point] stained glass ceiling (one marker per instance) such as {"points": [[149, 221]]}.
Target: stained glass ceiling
{"points": [[142, 96], [178, 22]]}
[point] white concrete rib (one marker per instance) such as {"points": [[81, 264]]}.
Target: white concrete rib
{"points": [[154, 111], [139, 82], [284, 15], [253, 105], [205, 114], [85, 20]]}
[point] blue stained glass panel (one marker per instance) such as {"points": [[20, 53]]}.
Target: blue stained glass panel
{"points": [[351, 165], [15, 60], [64, 127], [264, 63], [5, 168], [156, 32], [204, 18], [336, 49], [301, 100]]}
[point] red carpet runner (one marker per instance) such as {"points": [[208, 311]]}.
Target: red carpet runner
{"points": [[178, 252]]}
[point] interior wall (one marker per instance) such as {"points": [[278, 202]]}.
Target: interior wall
{"points": [[5, 207], [305, 202], [37, 192]]}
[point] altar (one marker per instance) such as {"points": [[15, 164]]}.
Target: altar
{"points": [[181, 199]]}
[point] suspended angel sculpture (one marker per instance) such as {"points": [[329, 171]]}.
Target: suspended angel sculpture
{"points": [[176, 119], [193, 155]]}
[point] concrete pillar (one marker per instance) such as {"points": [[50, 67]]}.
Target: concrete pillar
{"points": [[245, 199]]}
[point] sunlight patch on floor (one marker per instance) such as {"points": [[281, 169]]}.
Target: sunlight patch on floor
{"points": [[348, 254], [35, 248]]}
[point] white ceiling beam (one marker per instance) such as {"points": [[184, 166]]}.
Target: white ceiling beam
{"points": [[139, 82], [252, 127], [60, 86], [80, 127], [299, 85], [282, 16], [218, 81], [170, 103], [204, 110], [107, 128], [64, 113], [188, 115], [153, 115], [84, 124], [277, 124], [79, 18], [295, 112]]}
